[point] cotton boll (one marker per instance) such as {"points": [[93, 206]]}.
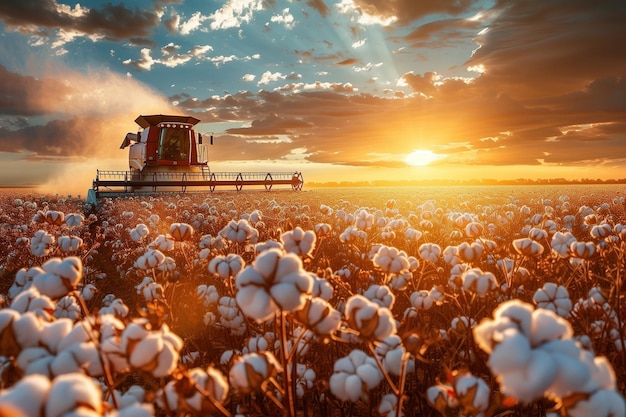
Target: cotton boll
{"points": [[392, 353], [27, 329], [518, 312], [87, 357], [88, 292], [71, 391], [256, 304], [602, 403], [529, 383], [136, 410], [250, 370], [319, 316], [78, 334], [35, 360], [32, 300], [166, 361], [381, 295], [572, 376], [143, 352], [547, 326], [602, 372], [511, 353], [52, 333], [51, 285], [473, 392], [70, 269], [353, 375], [28, 395], [113, 355]]}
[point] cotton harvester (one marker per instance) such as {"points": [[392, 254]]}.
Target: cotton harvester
{"points": [[168, 155]]}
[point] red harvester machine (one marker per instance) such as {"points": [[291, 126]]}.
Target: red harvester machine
{"points": [[168, 155]]}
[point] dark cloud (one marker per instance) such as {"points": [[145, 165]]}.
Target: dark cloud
{"points": [[28, 96], [408, 11], [349, 61], [273, 124], [116, 22], [544, 48], [442, 33], [320, 6]]}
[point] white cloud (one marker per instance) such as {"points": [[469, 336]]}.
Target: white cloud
{"points": [[269, 77], [358, 15], [234, 13], [285, 18], [248, 77], [192, 24]]}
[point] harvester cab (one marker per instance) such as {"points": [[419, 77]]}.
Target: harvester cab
{"points": [[168, 155], [165, 141]]}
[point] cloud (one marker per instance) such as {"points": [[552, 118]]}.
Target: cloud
{"points": [[269, 77], [114, 22], [29, 96], [169, 57], [442, 33], [285, 18], [81, 109], [319, 6], [536, 49], [404, 11], [234, 13]]}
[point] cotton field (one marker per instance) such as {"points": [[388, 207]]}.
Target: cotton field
{"points": [[480, 301]]}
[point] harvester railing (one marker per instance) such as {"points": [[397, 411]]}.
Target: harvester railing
{"points": [[112, 182]]}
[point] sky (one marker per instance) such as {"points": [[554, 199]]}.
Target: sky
{"points": [[340, 90]]}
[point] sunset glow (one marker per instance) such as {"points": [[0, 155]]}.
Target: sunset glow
{"points": [[344, 89], [421, 157]]}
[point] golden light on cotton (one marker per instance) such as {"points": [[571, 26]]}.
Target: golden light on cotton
{"points": [[421, 157]]}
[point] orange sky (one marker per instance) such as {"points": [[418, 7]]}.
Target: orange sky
{"points": [[505, 89]]}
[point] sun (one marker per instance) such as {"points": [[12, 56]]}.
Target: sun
{"points": [[421, 158]]}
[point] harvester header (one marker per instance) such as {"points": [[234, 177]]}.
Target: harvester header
{"points": [[168, 155]]}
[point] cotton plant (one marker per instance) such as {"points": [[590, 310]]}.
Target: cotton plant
{"points": [[354, 375], [319, 317], [226, 266], [150, 289], [391, 260], [430, 252], [275, 282], [156, 351], [371, 321], [69, 243], [41, 244], [139, 232], [55, 278], [298, 241], [180, 232], [249, 372], [470, 251], [230, 316], [207, 294], [462, 393], [381, 295], [479, 282], [70, 393], [533, 354], [239, 232], [553, 297], [198, 391], [352, 235], [151, 259], [528, 247]]}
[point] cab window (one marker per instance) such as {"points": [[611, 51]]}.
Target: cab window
{"points": [[174, 144]]}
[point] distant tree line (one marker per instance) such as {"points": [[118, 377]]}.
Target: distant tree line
{"points": [[462, 182]]}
